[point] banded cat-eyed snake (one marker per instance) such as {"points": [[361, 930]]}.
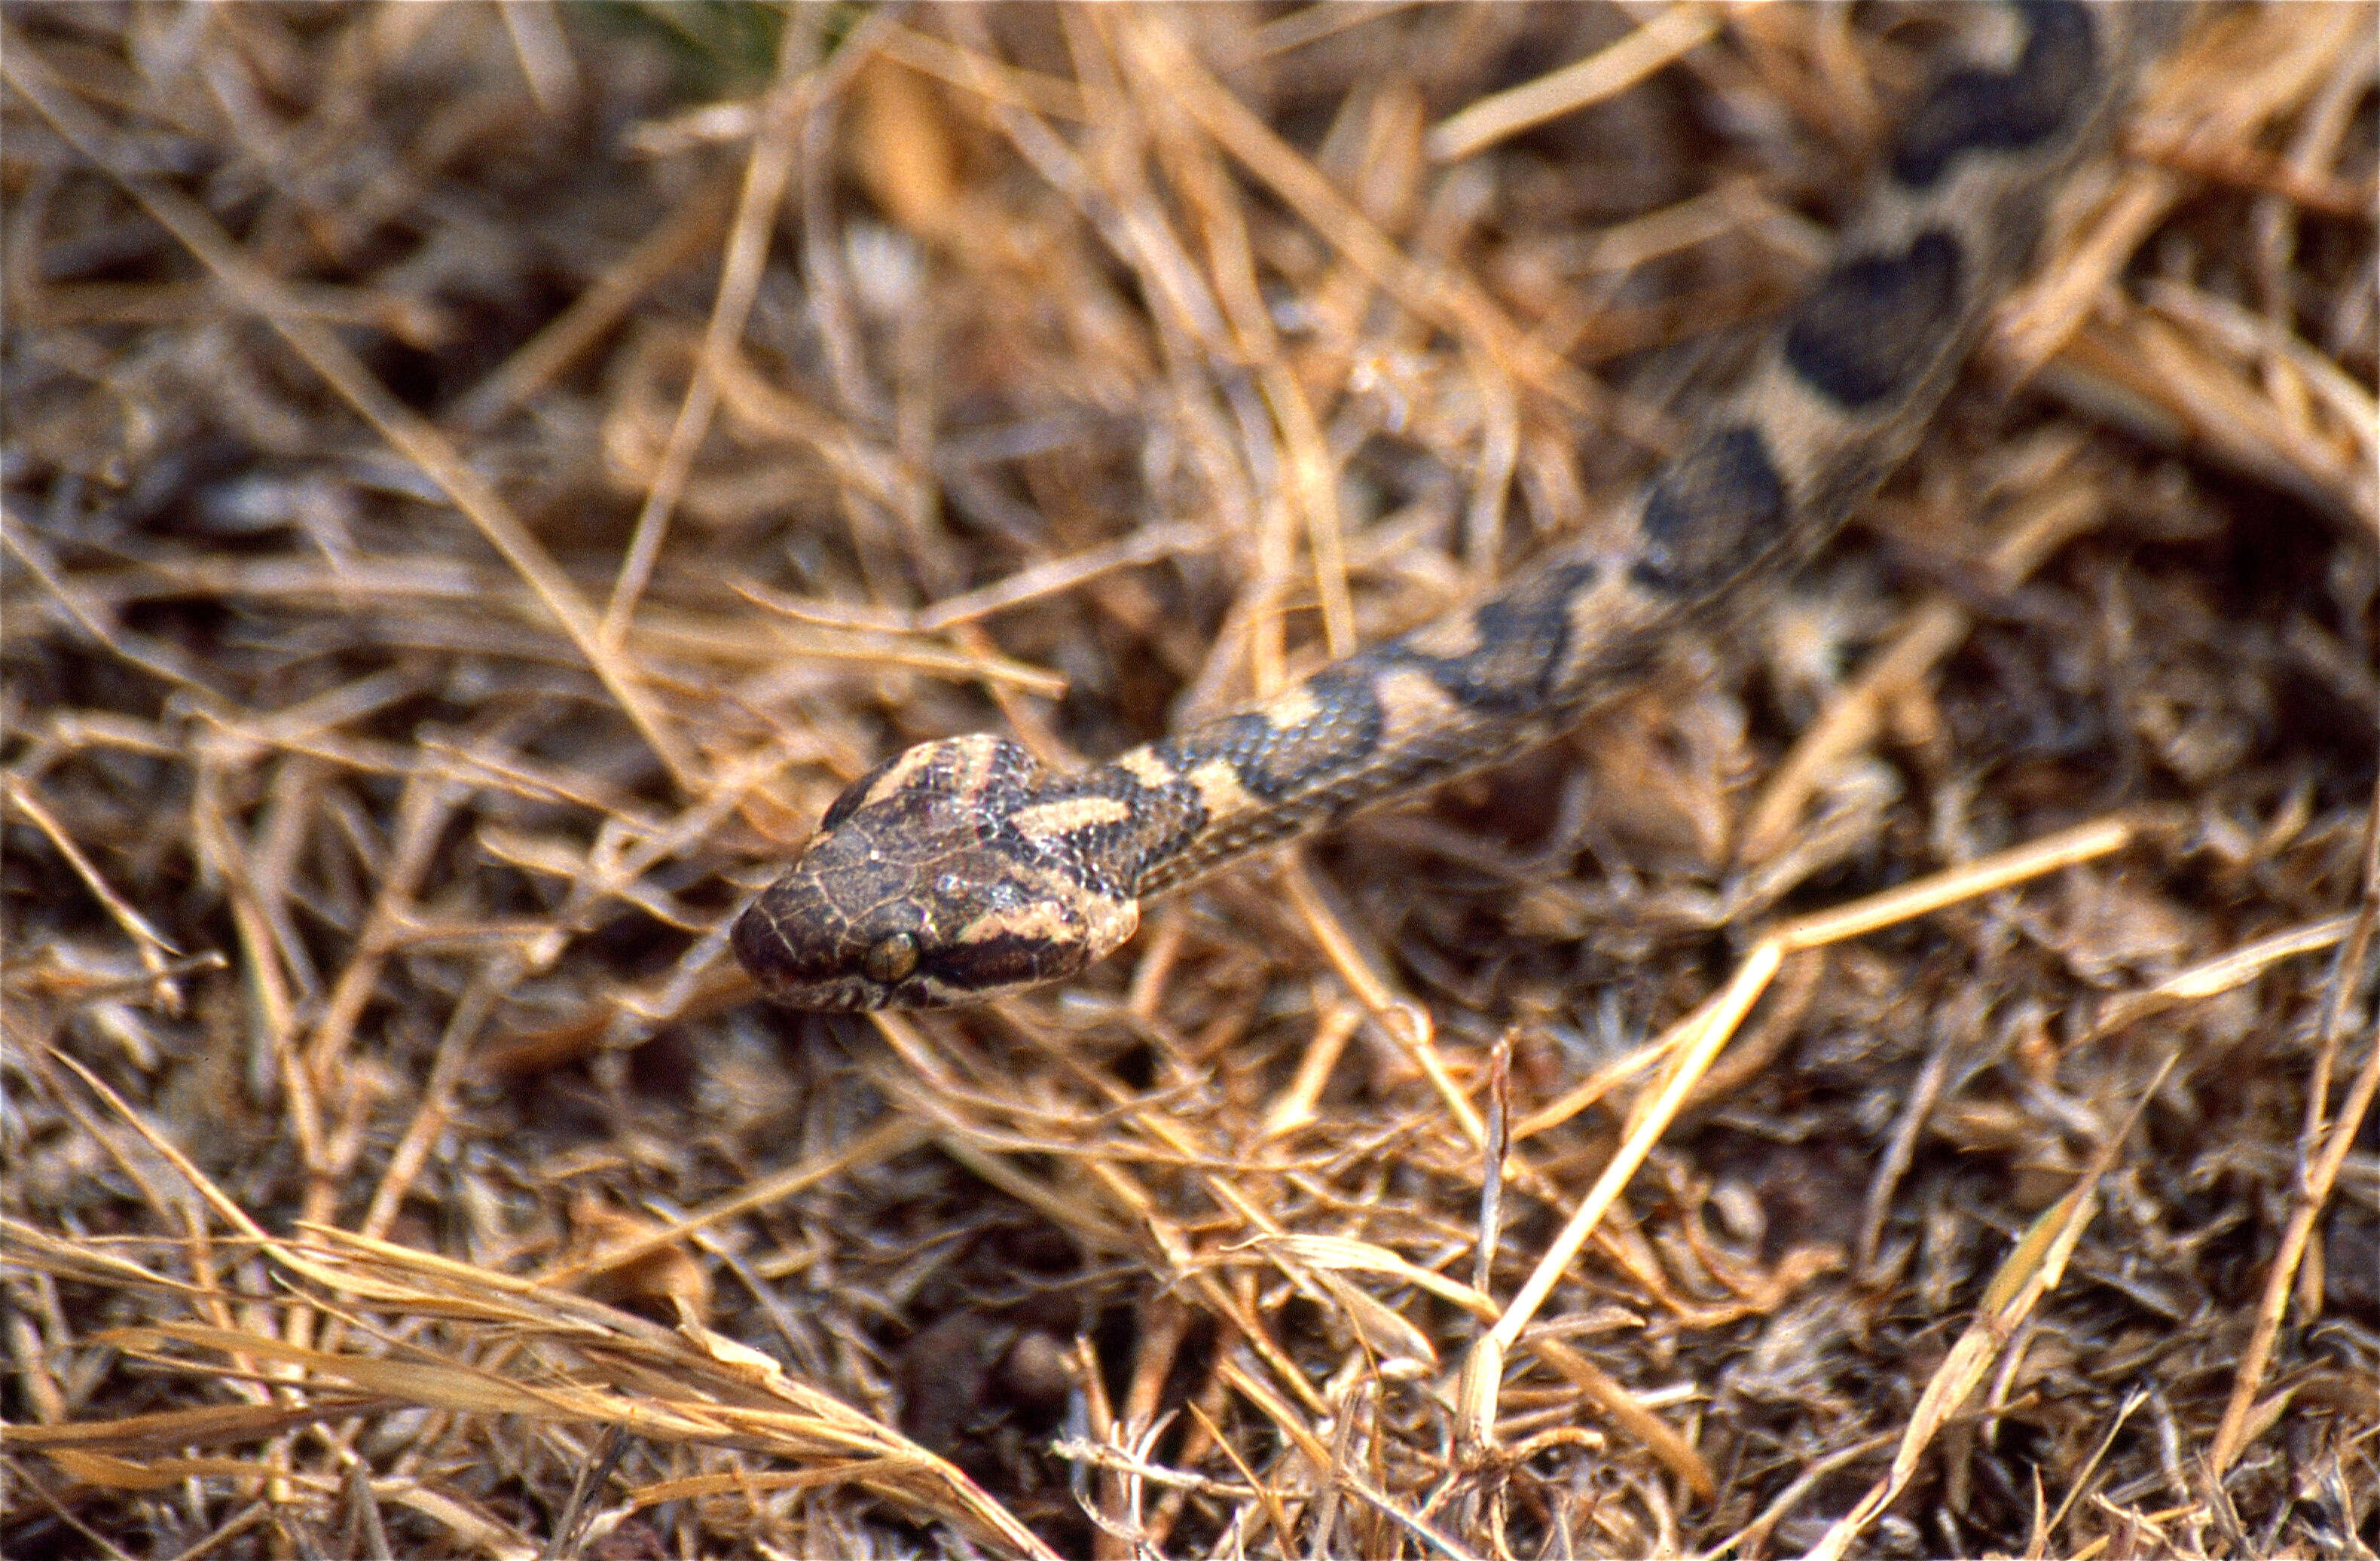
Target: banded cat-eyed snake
{"points": [[963, 868]]}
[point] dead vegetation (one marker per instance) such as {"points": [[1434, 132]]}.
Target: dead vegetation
{"points": [[481, 478]]}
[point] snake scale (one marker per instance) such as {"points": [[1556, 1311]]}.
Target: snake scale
{"points": [[963, 868]]}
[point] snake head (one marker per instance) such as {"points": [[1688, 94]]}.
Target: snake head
{"points": [[934, 879]]}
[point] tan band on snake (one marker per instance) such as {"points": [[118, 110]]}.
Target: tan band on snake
{"points": [[963, 868]]}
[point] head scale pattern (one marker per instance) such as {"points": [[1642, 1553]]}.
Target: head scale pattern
{"points": [[922, 889]]}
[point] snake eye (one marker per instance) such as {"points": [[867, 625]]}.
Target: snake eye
{"points": [[891, 959]]}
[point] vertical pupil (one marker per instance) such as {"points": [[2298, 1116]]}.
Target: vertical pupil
{"points": [[891, 958]]}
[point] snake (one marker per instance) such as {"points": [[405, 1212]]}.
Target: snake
{"points": [[963, 868]]}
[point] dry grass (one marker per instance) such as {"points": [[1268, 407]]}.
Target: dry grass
{"points": [[479, 479]]}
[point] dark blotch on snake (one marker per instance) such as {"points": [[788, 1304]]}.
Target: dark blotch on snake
{"points": [[1877, 322], [1523, 642], [1710, 514], [2011, 111], [1159, 821], [1278, 762]]}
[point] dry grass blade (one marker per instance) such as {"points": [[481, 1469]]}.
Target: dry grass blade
{"points": [[595, 1367], [2029, 1272], [2323, 1147], [1669, 33]]}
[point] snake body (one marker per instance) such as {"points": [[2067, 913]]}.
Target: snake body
{"points": [[963, 868]]}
